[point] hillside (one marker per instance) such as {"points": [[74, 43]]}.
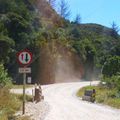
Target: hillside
{"points": [[58, 46]]}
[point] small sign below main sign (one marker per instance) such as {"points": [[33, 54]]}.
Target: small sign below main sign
{"points": [[24, 57], [25, 70], [29, 80]]}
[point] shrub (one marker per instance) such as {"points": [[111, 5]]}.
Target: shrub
{"points": [[111, 66], [9, 103], [5, 80], [113, 82]]}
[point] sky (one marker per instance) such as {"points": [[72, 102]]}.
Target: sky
{"points": [[102, 12]]}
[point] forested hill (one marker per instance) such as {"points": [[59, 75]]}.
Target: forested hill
{"points": [[34, 25]]}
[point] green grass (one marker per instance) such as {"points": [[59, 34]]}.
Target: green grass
{"points": [[103, 95]]}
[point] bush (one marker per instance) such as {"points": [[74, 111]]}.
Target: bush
{"points": [[111, 70], [112, 93], [5, 80], [112, 82], [101, 98], [111, 66]]}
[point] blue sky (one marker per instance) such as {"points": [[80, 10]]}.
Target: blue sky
{"points": [[96, 11]]}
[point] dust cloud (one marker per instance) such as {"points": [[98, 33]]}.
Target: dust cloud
{"points": [[66, 66], [66, 70]]}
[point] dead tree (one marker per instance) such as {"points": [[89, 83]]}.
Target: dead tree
{"points": [[64, 10]]}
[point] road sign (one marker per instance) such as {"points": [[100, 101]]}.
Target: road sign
{"points": [[24, 57], [29, 80], [24, 70]]}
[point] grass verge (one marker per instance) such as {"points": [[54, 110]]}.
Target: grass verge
{"points": [[103, 95], [10, 103]]}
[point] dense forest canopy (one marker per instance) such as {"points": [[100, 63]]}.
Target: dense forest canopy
{"points": [[34, 25]]}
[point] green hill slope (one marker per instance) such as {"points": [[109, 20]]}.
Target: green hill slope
{"points": [[36, 26]]}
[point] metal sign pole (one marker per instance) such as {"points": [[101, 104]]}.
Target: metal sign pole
{"points": [[24, 97]]}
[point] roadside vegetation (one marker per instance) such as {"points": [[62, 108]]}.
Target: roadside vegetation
{"points": [[108, 91], [103, 95], [9, 103]]}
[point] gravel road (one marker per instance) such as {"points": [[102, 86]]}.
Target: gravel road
{"points": [[64, 105]]}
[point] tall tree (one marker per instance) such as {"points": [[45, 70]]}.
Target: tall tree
{"points": [[115, 30], [52, 3], [64, 10], [77, 19]]}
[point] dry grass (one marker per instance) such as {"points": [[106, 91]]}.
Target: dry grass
{"points": [[23, 118], [9, 104], [29, 98]]}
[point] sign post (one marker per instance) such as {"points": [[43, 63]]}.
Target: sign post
{"points": [[24, 84], [24, 58]]}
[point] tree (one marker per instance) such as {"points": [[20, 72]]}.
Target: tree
{"points": [[64, 9], [52, 2], [111, 66], [115, 30], [116, 50], [77, 19], [6, 45], [19, 27]]}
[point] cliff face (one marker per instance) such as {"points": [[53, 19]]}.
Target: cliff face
{"points": [[61, 66], [48, 15], [57, 63]]}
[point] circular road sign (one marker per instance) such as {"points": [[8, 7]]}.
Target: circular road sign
{"points": [[24, 57]]}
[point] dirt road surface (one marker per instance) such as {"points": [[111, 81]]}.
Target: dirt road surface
{"points": [[64, 105]]}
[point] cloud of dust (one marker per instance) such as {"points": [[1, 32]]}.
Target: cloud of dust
{"points": [[68, 68], [65, 71]]}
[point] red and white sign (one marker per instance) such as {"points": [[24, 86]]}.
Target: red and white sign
{"points": [[24, 57]]}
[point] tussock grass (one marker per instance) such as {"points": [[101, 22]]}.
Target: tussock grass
{"points": [[9, 104], [103, 95], [29, 98]]}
